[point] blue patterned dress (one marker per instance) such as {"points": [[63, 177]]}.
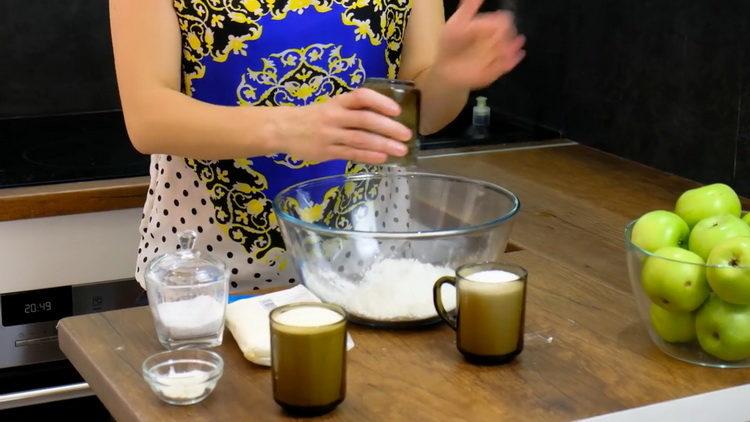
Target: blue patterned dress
{"points": [[266, 53]]}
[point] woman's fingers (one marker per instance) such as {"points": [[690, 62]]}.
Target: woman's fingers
{"points": [[505, 64], [357, 126], [492, 66], [364, 98], [485, 26], [518, 43], [359, 139], [344, 152], [466, 10], [500, 48], [492, 46], [376, 123], [512, 53], [489, 36]]}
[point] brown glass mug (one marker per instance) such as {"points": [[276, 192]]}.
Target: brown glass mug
{"points": [[490, 311], [408, 97], [308, 357]]}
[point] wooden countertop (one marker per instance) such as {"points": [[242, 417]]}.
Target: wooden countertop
{"points": [[586, 351], [72, 198]]}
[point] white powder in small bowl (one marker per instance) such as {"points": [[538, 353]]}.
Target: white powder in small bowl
{"points": [[392, 290], [182, 385]]}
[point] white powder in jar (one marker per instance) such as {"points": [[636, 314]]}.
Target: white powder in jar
{"points": [[392, 290], [200, 316]]}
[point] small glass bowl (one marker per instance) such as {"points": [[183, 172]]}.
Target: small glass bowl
{"points": [[183, 377]]}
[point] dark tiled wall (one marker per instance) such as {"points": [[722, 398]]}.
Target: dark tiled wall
{"points": [[665, 83], [55, 57], [742, 164], [662, 82], [533, 90]]}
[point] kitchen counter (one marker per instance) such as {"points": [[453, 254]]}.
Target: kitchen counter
{"points": [[72, 198], [586, 352]]}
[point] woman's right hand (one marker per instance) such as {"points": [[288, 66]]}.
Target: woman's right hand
{"points": [[355, 126]]}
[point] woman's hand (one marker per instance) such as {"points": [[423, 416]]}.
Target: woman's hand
{"points": [[355, 126], [475, 49], [448, 59]]}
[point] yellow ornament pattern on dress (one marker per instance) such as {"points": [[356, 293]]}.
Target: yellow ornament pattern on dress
{"points": [[218, 28], [242, 210], [303, 76], [339, 202], [300, 76], [215, 30], [390, 28], [287, 160]]}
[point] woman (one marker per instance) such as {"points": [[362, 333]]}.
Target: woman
{"points": [[183, 67]]}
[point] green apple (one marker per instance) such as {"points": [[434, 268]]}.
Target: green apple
{"points": [[675, 279], [746, 218], [723, 329], [711, 231], [696, 204], [730, 278], [674, 327], [657, 229]]}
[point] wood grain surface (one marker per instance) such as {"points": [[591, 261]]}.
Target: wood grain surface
{"points": [[586, 352], [575, 201], [72, 198]]}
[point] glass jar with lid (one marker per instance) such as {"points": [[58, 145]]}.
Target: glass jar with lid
{"points": [[187, 293]]}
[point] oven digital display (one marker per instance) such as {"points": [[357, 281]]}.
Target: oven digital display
{"points": [[36, 306]]}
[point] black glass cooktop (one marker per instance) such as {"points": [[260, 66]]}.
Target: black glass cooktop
{"points": [[95, 146], [503, 129], [67, 148]]}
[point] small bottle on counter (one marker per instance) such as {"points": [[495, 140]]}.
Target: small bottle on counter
{"points": [[480, 120]]}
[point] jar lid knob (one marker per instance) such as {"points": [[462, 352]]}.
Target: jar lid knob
{"points": [[187, 240]]}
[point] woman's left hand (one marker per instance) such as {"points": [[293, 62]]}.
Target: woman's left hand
{"points": [[475, 49]]}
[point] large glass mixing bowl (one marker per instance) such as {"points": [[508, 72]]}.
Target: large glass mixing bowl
{"points": [[376, 243]]}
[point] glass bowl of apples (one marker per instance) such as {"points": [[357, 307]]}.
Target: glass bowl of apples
{"points": [[690, 274]]}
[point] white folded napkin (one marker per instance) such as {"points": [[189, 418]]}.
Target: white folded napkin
{"points": [[247, 320]]}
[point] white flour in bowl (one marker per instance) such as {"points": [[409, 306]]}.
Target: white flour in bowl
{"points": [[391, 290]]}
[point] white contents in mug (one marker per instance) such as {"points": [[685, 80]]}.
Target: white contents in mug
{"points": [[309, 316], [492, 276]]}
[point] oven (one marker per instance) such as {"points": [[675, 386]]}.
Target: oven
{"points": [[60, 122], [33, 370], [55, 267]]}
